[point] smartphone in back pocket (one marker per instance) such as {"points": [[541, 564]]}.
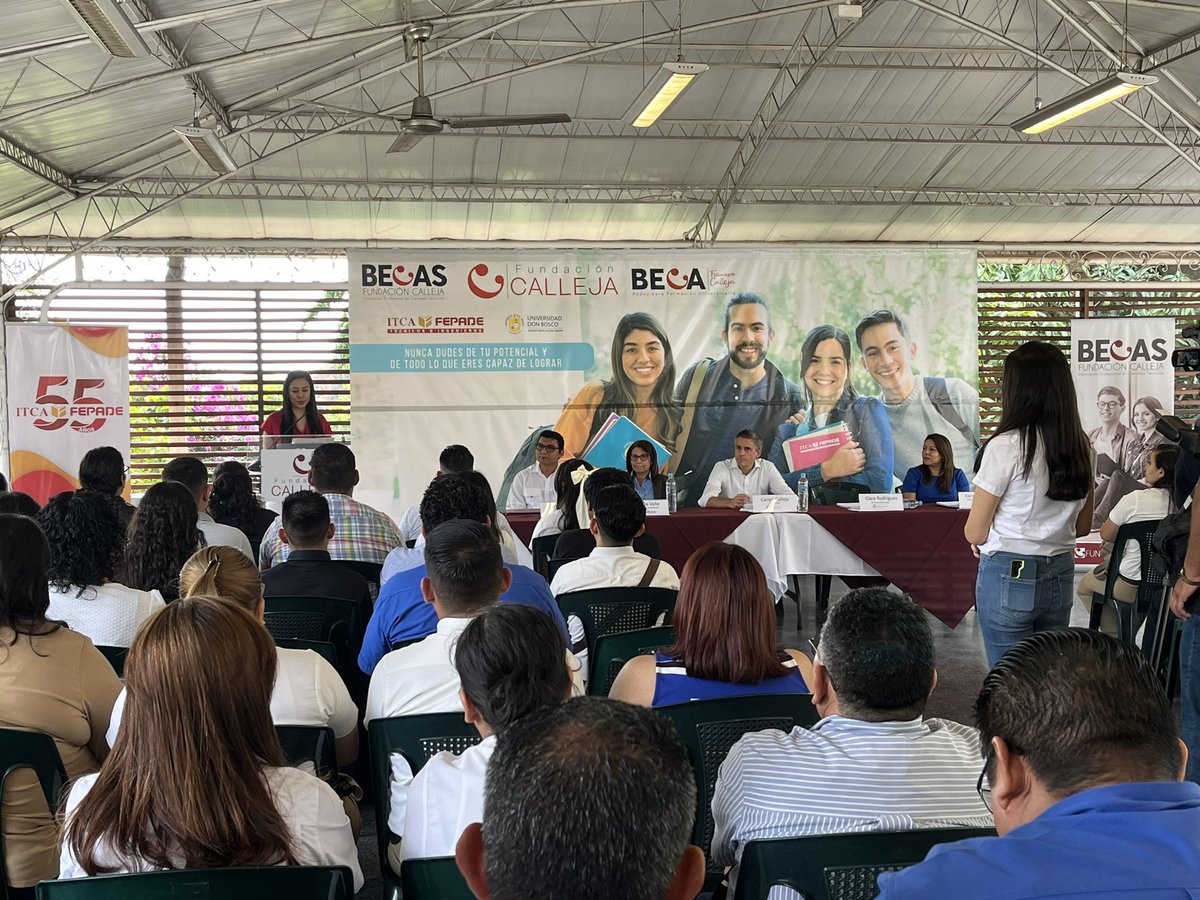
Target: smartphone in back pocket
{"points": [[1023, 569]]}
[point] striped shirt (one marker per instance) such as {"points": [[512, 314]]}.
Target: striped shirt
{"points": [[360, 533], [846, 775]]}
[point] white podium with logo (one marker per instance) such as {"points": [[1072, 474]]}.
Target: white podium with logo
{"points": [[284, 466]]}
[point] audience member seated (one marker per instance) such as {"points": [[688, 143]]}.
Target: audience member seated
{"points": [[510, 660], [196, 778], [570, 510], [52, 680], [641, 462], [309, 571], [1137, 506], [536, 486], [234, 503], [733, 483], [307, 690], [162, 535], [611, 813], [453, 460], [724, 646], [872, 763], [86, 541], [936, 479], [402, 613], [3, 483], [579, 542], [18, 503], [103, 470], [360, 532], [193, 475], [1085, 778]]}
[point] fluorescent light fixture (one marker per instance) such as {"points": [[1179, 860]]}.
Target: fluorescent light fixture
{"points": [[1114, 87], [107, 25], [204, 143], [659, 94]]}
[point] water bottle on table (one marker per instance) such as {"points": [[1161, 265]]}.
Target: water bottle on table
{"points": [[672, 493], [802, 493]]}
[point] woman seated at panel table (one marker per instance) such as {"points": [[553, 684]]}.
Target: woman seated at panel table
{"points": [[641, 462], [866, 459], [724, 622], [935, 479]]}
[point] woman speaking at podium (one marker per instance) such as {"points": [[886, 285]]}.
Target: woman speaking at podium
{"points": [[298, 416]]}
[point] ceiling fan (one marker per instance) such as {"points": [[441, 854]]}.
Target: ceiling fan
{"points": [[422, 122]]}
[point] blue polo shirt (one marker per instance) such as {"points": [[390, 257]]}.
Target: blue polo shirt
{"points": [[1118, 842], [401, 613]]}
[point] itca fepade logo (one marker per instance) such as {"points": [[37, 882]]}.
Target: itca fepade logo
{"points": [[85, 411]]}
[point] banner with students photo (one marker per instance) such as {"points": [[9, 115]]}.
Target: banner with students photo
{"points": [[488, 347], [68, 391], [1124, 382]]}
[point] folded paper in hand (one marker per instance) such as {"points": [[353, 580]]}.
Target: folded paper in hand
{"points": [[816, 447], [608, 446]]}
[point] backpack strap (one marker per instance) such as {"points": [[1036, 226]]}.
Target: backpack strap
{"points": [[689, 410], [651, 571], [939, 396]]}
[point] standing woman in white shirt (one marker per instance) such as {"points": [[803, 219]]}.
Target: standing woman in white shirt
{"points": [[197, 778], [1033, 497]]}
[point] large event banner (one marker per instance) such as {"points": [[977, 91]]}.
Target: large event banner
{"points": [[487, 347], [68, 391], [1125, 382]]}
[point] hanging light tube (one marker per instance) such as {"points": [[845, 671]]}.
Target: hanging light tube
{"points": [[109, 27], [1114, 87], [658, 95]]}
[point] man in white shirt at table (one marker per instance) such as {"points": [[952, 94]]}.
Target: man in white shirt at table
{"points": [[534, 486], [734, 482]]}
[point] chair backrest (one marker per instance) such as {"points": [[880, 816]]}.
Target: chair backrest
{"points": [[324, 648], [328, 619], [309, 743], [116, 658], [293, 882], [368, 570], [614, 650], [837, 866], [553, 565], [29, 750], [433, 879], [840, 492], [1153, 581], [542, 548], [710, 727], [416, 738], [606, 611]]}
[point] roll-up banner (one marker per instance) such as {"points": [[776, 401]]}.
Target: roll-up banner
{"points": [[1124, 381], [68, 391], [686, 348]]}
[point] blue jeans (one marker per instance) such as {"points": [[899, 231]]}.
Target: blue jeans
{"points": [[1011, 609], [1189, 697]]}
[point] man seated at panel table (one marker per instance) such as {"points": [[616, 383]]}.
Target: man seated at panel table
{"points": [[734, 482], [872, 763], [533, 487], [403, 615], [1084, 773]]}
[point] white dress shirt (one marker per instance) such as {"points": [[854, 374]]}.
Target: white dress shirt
{"points": [[611, 567], [216, 534], [446, 796], [410, 523], [728, 481], [530, 489], [109, 614], [313, 814]]}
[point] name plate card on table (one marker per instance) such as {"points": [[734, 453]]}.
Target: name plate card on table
{"points": [[657, 508], [773, 503], [965, 499], [880, 502]]}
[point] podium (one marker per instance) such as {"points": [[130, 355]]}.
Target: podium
{"points": [[284, 465]]}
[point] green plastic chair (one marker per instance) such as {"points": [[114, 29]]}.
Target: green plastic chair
{"points": [[614, 650], [416, 738], [1149, 589], [116, 658], [542, 549], [329, 619], [708, 728], [236, 883], [324, 648], [29, 750], [553, 565], [837, 866], [433, 879], [606, 611], [368, 570], [309, 743]]}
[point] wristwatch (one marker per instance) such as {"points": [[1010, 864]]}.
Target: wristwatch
{"points": [[1183, 577]]}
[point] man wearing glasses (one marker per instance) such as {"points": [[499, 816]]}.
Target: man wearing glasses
{"points": [[873, 762], [1108, 439], [1083, 771], [534, 486]]}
